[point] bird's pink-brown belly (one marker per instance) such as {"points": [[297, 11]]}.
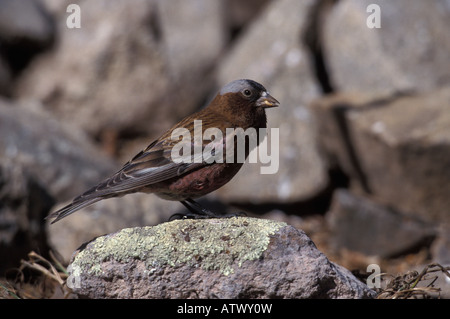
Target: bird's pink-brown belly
{"points": [[197, 183]]}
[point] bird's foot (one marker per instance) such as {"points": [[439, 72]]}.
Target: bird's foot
{"points": [[236, 214], [188, 216], [191, 215], [196, 211]]}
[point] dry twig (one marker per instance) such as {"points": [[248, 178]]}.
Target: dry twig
{"points": [[407, 285]]}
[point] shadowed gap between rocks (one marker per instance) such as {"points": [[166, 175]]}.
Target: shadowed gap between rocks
{"points": [[340, 117], [312, 39], [340, 114]]}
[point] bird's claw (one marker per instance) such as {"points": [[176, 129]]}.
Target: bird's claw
{"points": [[207, 215]]}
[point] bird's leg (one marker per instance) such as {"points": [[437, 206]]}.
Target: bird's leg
{"points": [[196, 207], [206, 213], [197, 211]]}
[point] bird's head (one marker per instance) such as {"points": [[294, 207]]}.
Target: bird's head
{"points": [[245, 101]]}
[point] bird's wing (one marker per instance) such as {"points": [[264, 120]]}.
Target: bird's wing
{"points": [[150, 166], [156, 163]]}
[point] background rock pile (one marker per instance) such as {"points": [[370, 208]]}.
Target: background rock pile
{"points": [[364, 118]]}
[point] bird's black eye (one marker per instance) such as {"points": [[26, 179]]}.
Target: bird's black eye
{"points": [[247, 92]]}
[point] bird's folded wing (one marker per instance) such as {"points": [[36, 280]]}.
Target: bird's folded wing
{"points": [[152, 165]]}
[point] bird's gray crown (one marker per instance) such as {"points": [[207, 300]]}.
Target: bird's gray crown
{"points": [[238, 85]]}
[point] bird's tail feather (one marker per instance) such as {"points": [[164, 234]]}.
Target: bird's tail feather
{"points": [[71, 208]]}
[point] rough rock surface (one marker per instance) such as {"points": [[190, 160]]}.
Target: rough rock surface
{"points": [[218, 258], [42, 162], [359, 224], [134, 57], [107, 217], [23, 205], [408, 52], [61, 159], [397, 148], [441, 247], [26, 29]]}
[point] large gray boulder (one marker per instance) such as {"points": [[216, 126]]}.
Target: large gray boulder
{"points": [[59, 157], [140, 67], [409, 52], [217, 258], [397, 149]]}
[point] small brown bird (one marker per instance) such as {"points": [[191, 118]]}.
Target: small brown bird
{"points": [[239, 104]]}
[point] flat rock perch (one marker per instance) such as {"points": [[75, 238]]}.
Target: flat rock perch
{"points": [[214, 258]]}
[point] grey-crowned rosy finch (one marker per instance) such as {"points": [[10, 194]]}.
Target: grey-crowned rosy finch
{"points": [[239, 104]]}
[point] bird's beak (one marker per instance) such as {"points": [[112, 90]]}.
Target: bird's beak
{"points": [[266, 100]]}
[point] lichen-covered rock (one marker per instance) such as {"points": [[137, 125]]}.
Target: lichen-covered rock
{"points": [[107, 217], [217, 258]]}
